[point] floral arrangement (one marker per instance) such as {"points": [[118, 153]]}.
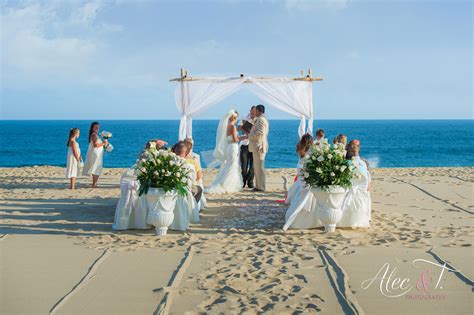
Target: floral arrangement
{"points": [[162, 169], [107, 135], [327, 166]]}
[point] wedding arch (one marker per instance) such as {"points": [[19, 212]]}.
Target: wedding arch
{"points": [[294, 96]]}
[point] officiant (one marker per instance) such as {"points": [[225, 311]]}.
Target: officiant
{"points": [[246, 158]]}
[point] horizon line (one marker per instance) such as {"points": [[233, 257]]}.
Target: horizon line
{"points": [[208, 119]]}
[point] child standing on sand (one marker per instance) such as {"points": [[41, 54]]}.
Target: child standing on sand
{"points": [[74, 157]]}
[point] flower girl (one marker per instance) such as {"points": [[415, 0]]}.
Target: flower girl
{"points": [[74, 157]]}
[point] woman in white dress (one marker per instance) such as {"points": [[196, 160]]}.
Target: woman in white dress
{"points": [[226, 153], [74, 157], [95, 154]]}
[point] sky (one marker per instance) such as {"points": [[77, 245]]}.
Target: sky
{"points": [[113, 59]]}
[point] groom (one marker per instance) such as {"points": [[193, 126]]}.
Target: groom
{"points": [[258, 145]]}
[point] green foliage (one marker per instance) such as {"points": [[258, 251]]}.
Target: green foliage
{"points": [[326, 166], [162, 169]]}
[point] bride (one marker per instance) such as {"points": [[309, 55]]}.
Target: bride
{"points": [[226, 153]]}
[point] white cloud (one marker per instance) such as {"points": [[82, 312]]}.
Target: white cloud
{"points": [[354, 54], [86, 14], [56, 40], [29, 42]]}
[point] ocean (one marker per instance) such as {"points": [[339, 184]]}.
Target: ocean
{"points": [[384, 143]]}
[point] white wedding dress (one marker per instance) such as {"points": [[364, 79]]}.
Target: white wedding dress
{"points": [[226, 154], [229, 178]]}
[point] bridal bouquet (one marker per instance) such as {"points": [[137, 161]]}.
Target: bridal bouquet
{"points": [[162, 169], [106, 135], [327, 166]]}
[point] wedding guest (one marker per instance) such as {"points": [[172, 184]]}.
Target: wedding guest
{"points": [[319, 135], [303, 145], [196, 160], [340, 138], [74, 157], [357, 208], [246, 157], [156, 144], [190, 154], [301, 213], [180, 149], [302, 148], [95, 154]]}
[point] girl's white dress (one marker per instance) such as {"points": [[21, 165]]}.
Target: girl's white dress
{"points": [[93, 163], [72, 168], [229, 178], [302, 212]]}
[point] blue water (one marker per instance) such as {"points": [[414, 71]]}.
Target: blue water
{"points": [[385, 143]]}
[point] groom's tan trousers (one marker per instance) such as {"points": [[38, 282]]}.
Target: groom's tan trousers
{"points": [[259, 170]]}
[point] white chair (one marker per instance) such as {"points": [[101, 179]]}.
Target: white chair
{"points": [[186, 209], [131, 211], [356, 209], [302, 212]]}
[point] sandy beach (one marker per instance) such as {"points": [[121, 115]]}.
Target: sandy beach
{"points": [[60, 255]]}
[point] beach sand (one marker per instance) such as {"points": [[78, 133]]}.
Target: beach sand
{"points": [[60, 255]]}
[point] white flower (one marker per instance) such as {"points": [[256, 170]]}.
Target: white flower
{"points": [[329, 156], [178, 174], [106, 134], [167, 173], [319, 170], [313, 157], [320, 158], [332, 174], [343, 168], [172, 162], [306, 174]]}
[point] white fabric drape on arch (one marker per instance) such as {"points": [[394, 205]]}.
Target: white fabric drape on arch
{"points": [[294, 97], [193, 97]]}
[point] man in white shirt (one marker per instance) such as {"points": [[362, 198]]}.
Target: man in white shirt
{"points": [[246, 157], [319, 135]]}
